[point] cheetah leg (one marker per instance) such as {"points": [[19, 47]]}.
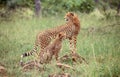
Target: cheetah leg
{"points": [[74, 44], [56, 56], [71, 44], [73, 47]]}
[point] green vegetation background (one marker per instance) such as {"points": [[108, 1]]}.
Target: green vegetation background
{"points": [[98, 41]]}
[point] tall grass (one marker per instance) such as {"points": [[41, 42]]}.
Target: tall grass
{"points": [[101, 48]]}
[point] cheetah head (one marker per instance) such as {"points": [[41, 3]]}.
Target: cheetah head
{"points": [[62, 35], [69, 16]]}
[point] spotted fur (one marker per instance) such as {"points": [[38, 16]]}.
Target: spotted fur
{"points": [[71, 28], [53, 48]]}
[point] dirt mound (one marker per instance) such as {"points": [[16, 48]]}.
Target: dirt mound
{"points": [[60, 75], [31, 65], [3, 71], [76, 58]]}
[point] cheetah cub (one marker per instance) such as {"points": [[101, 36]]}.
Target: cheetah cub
{"points": [[53, 48]]}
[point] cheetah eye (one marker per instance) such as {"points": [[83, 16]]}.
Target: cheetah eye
{"points": [[66, 19]]}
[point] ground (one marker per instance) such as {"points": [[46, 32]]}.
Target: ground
{"points": [[98, 42]]}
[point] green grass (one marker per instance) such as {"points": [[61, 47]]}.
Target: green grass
{"points": [[101, 48]]}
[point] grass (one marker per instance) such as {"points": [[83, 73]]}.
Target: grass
{"points": [[101, 48]]}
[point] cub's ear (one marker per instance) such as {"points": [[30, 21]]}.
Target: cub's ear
{"points": [[60, 34]]}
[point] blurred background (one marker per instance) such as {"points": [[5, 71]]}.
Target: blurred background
{"points": [[27, 8], [98, 41]]}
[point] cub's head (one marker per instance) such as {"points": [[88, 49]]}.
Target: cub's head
{"points": [[69, 16], [61, 35]]}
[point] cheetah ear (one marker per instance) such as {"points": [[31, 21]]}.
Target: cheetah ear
{"points": [[60, 34], [71, 13]]}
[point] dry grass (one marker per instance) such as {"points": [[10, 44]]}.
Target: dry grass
{"points": [[100, 47]]}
